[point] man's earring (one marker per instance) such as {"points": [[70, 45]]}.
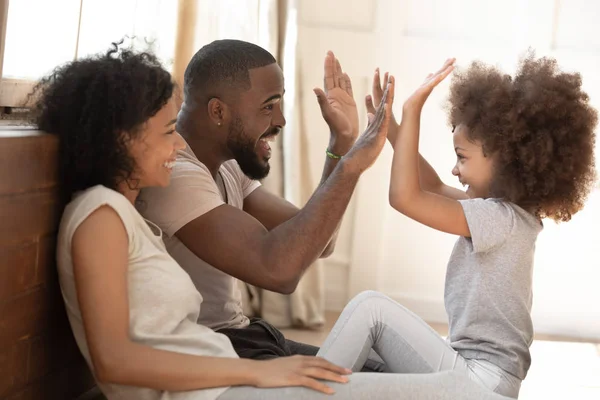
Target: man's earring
{"points": [[218, 123]]}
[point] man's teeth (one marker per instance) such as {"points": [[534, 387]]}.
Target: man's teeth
{"points": [[169, 164], [269, 138]]}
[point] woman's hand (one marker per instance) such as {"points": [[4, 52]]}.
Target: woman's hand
{"points": [[299, 371]]}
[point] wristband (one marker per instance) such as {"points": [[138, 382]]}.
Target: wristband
{"points": [[332, 155]]}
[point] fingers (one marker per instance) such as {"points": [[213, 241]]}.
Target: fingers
{"points": [[315, 385], [370, 119], [387, 115], [377, 90], [336, 70], [386, 99], [389, 101], [433, 80], [319, 368], [334, 76], [348, 85], [447, 63], [370, 107], [391, 88], [344, 82], [329, 81], [323, 363], [384, 110], [443, 71], [323, 374], [322, 100], [444, 74]]}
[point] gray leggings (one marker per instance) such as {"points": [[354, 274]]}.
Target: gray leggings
{"points": [[372, 321], [448, 385], [422, 364]]}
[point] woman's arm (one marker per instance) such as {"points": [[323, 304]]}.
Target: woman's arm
{"points": [[100, 263], [406, 194]]}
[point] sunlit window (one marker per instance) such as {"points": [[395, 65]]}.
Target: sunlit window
{"points": [[42, 34]]}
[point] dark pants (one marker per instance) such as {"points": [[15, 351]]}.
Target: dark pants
{"points": [[262, 341]]}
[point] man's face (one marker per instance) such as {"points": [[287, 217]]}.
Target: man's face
{"points": [[257, 119]]}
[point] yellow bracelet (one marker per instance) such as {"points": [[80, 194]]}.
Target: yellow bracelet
{"points": [[331, 155]]}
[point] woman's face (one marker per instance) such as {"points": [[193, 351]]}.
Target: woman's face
{"points": [[155, 148]]}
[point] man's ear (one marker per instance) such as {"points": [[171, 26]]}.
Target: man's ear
{"points": [[218, 112]]}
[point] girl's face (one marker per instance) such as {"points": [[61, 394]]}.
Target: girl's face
{"points": [[155, 148], [473, 169]]}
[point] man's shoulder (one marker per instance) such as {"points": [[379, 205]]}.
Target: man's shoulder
{"points": [[186, 163], [232, 167]]}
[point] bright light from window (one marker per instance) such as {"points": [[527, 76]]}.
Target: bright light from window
{"points": [[152, 24], [40, 35]]}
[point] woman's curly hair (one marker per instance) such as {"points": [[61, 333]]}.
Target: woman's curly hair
{"points": [[96, 105], [539, 126]]}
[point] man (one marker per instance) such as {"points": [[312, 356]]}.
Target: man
{"points": [[219, 223]]}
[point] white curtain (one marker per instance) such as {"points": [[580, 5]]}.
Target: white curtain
{"points": [[271, 24]]}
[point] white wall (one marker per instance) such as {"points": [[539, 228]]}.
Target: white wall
{"points": [[345, 27], [379, 249]]}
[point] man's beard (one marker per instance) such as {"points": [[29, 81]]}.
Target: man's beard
{"points": [[244, 152]]}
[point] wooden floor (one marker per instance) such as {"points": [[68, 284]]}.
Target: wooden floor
{"points": [[562, 367]]}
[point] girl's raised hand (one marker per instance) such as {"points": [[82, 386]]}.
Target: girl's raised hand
{"points": [[418, 98]]}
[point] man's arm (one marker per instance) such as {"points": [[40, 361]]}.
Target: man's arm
{"points": [[339, 111], [271, 210], [236, 243], [240, 245]]}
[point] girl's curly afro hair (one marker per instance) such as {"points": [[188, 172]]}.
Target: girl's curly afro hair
{"points": [[96, 105], [538, 126]]}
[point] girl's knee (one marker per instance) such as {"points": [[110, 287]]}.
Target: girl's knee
{"points": [[370, 297]]}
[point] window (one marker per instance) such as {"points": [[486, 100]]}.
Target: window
{"points": [[38, 35]]}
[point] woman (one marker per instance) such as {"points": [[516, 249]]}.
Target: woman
{"points": [[132, 309]]}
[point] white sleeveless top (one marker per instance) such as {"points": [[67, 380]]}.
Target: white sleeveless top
{"points": [[164, 304]]}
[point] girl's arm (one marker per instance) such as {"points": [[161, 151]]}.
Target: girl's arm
{"points": [[428, 178], [100, 263], [406, 194]]}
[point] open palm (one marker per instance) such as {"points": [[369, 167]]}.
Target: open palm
{"points": [[337, 104], [418, 98]]}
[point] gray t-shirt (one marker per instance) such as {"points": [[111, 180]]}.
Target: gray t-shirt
{"points": [[488, 291], [191, 194]]}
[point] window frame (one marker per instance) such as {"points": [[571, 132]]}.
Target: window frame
{"points": [[3, 21]]}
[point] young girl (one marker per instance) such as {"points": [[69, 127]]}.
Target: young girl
{"points": [[524, 148]]}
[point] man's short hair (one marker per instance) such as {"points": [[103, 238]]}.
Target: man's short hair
{"points": [[223, 64]]}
